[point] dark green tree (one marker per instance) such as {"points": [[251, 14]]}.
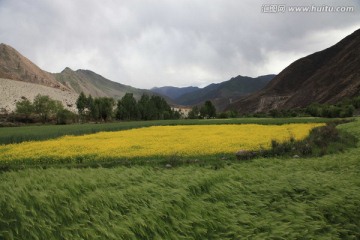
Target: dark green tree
{"points": [[65, 116], [347, 111], [314, 110], [104, 108], [45, 107], [146, 108], [81, 103], [356, 102], [24, 107], [127, 108], [162, 108], [208, 110], [194, 113], [93, 110]]}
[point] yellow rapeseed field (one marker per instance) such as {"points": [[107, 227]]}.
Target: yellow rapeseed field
{"points": [[183, 140]]}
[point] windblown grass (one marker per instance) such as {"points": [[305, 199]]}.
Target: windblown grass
{"points": [[265, 198]]}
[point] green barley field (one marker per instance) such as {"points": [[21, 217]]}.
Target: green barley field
{"points": [[264, 198]]}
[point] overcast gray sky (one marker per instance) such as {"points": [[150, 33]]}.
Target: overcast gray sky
{"points": [[147, 43]]}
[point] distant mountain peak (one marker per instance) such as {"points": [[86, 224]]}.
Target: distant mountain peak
{"points": [[67, 70], [219, 93], [173, 92]]}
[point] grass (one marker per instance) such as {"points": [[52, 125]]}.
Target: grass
{"points": [[265, 198], [43, 132], [272, 198]]}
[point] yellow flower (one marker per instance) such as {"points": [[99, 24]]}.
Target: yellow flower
{"points": [[183, 140]]}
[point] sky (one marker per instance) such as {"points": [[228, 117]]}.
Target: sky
{"points": [[148, 43]]}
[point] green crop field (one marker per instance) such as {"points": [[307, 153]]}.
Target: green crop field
{"points": [[42, 132], [264, 198]]}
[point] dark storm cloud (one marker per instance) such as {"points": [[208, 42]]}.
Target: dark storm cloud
{"points": [[181, 42]]}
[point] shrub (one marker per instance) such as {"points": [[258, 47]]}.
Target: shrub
{"points": [[65, 116], [322, 140]]}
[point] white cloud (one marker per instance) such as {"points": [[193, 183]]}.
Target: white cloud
{"points": [[146, 43]]}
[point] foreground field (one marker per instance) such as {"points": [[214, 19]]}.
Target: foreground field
{"points": [[313, 198], [156, 141]]}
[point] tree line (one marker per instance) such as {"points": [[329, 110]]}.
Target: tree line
{"points": [[342, 109], [102, 109], [127, 108], [43, 109], [207, 110]]}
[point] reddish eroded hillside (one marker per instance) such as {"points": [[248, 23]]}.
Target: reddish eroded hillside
{"points": [[324, 77], [15, 66]]}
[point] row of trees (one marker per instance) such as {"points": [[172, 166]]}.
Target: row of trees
{"points": [[207, 110], [344, 108], [127, 108], [45, 109]]}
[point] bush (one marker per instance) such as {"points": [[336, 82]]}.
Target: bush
{"points": [[65, 116], [321, 141], [223, 115]]}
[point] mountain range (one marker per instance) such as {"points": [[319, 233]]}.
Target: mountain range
{"points": [[174, 92], [14, 66], [326, 76], [20, 78], [96, 85], [221, 94]]}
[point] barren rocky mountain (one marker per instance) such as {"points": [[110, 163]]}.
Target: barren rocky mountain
{"points": [[15, 66], [92, 83], [20, 78], [12, 91], [324, 77]]}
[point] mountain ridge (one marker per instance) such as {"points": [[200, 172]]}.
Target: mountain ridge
{"points": [[17, 72], [222, 93], [96, 85], [173, 92], [326, 76], [15, 66]]}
